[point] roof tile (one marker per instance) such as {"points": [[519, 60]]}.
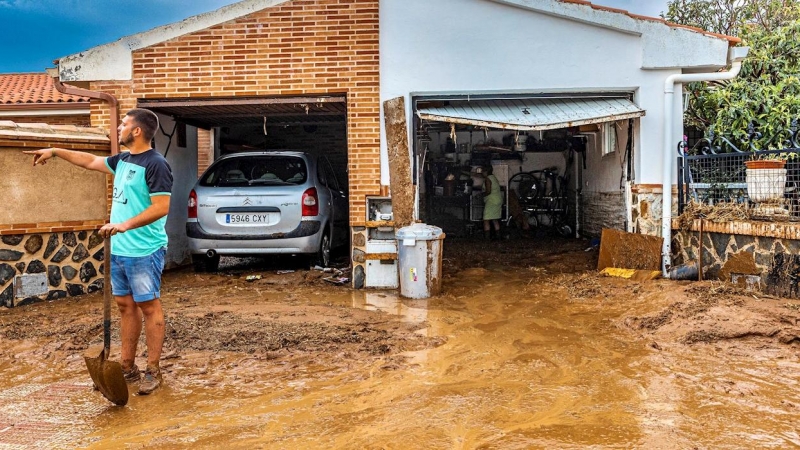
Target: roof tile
{"points": [[731, 39], [22, 88]]}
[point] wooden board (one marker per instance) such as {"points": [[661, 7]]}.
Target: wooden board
{"points": [[400, 183], [629, 251]]}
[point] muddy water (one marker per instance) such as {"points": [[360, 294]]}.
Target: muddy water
{"points": [[523, 367]]}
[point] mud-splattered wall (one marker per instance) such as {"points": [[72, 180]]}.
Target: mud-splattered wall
{"points": [[771, 251], [57, 191], [646, 207], [50, 213]]}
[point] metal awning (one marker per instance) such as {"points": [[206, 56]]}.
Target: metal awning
{"points": [[533, 113]]}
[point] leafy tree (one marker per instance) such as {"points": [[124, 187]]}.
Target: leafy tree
{"points": [[718, 16], [731, 16], [767, 91]]}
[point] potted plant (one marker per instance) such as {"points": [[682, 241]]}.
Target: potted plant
{"points": [[766, 184], [766, 171]]}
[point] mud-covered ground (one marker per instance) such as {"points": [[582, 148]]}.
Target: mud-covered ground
{"points": [[272, 316], [672, 312], [210, 318], [256, 325]]}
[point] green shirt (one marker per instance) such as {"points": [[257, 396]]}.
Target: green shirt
{"points": [[137, 178]]}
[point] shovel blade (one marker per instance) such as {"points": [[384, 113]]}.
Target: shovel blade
{"points": [[107, 376]]}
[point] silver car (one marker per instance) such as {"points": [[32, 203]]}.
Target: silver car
{"points": [[276, 202]]}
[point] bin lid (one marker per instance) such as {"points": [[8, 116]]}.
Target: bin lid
{"points": [[420, 232]]}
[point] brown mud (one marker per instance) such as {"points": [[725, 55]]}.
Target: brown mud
{"points": [[527, 346]]}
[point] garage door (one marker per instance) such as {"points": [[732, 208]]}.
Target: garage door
{"points": [[532, 113], [282, 111]]}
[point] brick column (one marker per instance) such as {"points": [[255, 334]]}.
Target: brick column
{"points": [[205, 150]]}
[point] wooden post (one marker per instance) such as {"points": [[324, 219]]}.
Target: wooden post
{"points": [[400, 181], [700, 253]]}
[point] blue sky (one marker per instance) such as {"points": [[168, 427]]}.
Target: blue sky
{"points": [[35, 32]]}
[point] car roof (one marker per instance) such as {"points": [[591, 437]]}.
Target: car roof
{"points": [[298, 153]]}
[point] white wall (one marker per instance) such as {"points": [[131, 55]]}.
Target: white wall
{"points": [[471, 46], [183, 162]]}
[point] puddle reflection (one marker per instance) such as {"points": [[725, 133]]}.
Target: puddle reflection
{"points": [[408, 310]]}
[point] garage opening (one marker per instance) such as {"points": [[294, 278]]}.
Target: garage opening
{"points": [[310, 214], [243, 124], [546, 153]]}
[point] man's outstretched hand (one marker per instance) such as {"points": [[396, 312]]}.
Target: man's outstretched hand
{"points": [[41, 156]]}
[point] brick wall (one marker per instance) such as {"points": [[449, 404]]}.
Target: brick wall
{"points": [[205, 151], [79, 120], [297, 48], [99, 110]]}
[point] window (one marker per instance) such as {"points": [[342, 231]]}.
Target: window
{"points": [[256, 170], [609, 138]]}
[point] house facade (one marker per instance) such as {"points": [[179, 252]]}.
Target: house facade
{"points": [[314, 73]]}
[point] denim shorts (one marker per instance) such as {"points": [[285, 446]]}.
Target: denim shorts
{"points": [[138, 276]]}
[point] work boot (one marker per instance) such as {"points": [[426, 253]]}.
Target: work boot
{"points": [[132, 375], [151, 380]]}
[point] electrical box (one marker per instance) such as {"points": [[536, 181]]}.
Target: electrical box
{"points": [[379, 209], [381, 247], [381, 273], [381, 266]]}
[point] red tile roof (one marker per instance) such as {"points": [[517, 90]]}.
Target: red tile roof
{"points": [[32, 88], [732, 40]]}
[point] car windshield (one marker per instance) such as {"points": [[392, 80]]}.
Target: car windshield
{"points": [[256, 171]]}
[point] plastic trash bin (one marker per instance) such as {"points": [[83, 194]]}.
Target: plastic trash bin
{"points": [[419, 254]]}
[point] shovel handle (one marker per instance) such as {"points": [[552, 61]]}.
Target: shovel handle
{"points": [[106, 296]]}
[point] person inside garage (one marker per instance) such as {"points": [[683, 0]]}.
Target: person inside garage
{"points": [[492, 203]]}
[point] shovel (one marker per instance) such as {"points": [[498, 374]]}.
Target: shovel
{"points": [[107, 375]]}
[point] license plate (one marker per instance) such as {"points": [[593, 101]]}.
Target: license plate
{"points": [[246, 219]]}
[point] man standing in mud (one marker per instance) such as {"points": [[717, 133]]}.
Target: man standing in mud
{"points": [[140, 203]]}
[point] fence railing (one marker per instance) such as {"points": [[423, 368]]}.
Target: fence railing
{"points": [[722, 179]]}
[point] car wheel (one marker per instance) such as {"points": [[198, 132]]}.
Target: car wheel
{"points": [[323, 256], [203, 263]]}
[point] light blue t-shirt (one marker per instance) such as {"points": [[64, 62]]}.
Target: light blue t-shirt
{"points": [[137, 178]]}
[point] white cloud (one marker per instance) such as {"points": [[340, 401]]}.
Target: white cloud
{"points": [[14, 4], [61, 8]]}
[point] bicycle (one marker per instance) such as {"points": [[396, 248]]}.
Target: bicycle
{"points": [[542, 196]]}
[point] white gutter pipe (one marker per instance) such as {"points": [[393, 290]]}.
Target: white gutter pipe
{"points": [[735, 55]]}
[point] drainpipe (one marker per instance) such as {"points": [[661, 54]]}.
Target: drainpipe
{"points": [[108, 98], [735, 55]]}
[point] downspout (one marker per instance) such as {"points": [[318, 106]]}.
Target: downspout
{"points": [[735, 55], [110, 99]]}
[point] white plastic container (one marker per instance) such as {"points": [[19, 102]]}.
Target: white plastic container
{"points": [[765, 185], [420, 260]]}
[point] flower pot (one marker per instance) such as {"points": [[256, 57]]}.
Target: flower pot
{"points": [[765, 164]]}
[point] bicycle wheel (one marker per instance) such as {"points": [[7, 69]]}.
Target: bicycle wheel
{"points": [[525, 187]]}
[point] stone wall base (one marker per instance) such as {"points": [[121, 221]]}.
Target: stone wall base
{"points": [[776, 261], [602, 210], [72, 262]]}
